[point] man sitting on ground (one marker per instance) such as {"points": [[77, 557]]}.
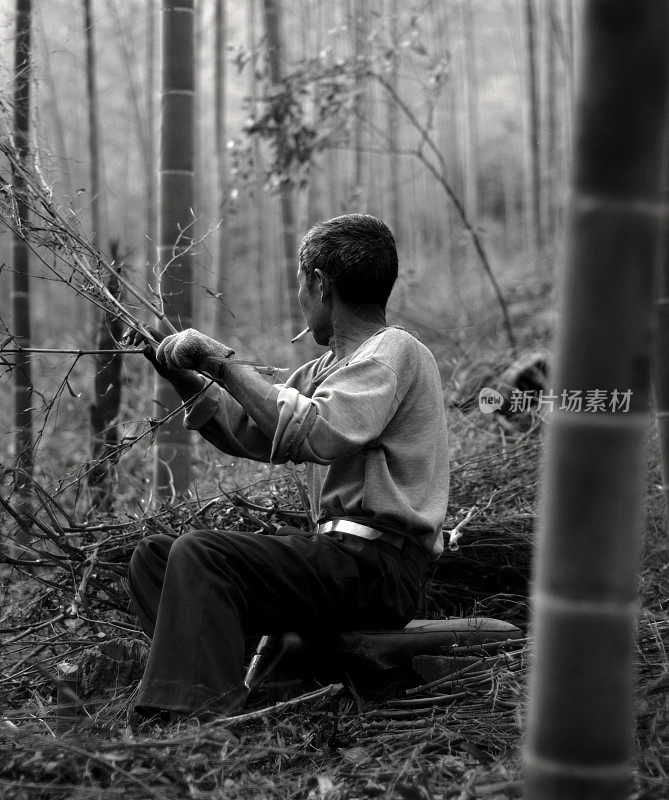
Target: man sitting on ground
{"points": [[367, 418]]}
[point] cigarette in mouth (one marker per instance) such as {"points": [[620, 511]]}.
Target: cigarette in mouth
{"points": [[300, 335]]}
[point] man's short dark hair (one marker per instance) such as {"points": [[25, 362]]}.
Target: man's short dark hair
{"points": [[357, 252]]}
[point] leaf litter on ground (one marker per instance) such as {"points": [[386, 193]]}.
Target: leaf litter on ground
{"points": [[454, 738]]}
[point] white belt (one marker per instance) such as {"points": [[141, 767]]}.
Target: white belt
{"points": [[355, 529]]}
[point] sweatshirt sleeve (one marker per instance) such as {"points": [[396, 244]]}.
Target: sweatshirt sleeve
{"points": [[349, 410], [221, 420]]}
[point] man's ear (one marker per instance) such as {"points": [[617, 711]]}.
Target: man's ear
{"points": [[324, 284]]}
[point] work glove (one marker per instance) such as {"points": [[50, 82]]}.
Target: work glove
{"points": [[191, 349], [185, 382]]}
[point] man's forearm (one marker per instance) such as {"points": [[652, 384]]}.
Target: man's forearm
{"points": [[191, 350], [257, 397]]}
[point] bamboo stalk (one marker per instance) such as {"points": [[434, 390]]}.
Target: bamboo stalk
{"points": [[470, 134], [172, 454], [535, 123], [551, 187], [392, 12], [222, 270], [272, 11], [580, 727], [104, 410], [263, 283], [358, 25], [94, 141], [661, 345], [150, 178], [20, 279]]}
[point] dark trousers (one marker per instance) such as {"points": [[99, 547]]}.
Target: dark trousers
{"points": [[199, 595]]}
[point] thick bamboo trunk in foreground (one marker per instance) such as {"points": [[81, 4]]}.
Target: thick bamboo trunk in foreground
{"points": [[175, 195], [580, 728], [20, 282]]}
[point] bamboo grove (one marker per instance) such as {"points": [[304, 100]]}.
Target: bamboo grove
{"points": [[514, 147]]}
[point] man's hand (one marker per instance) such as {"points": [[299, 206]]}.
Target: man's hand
{"points": [[191, 349], [185, 382]]}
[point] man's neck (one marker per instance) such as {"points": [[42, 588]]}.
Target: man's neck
{"points": [[353, 326]]}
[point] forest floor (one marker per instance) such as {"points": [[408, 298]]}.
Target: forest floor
{"points": [[460, 739]]}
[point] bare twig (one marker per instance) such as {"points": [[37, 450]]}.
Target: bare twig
{"points": [[319, 694], [74, 352]]}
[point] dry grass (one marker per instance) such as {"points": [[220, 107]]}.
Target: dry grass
{"points": [[457, 740]]}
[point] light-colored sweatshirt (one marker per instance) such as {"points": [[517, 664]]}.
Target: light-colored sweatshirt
{"points": [[371, 429]]}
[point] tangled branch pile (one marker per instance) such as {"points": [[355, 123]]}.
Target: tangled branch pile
{"points": [[451, 740]]}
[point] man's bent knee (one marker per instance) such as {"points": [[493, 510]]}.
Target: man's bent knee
{"points": [[187, 543], [150, 553], [201, 541]]}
